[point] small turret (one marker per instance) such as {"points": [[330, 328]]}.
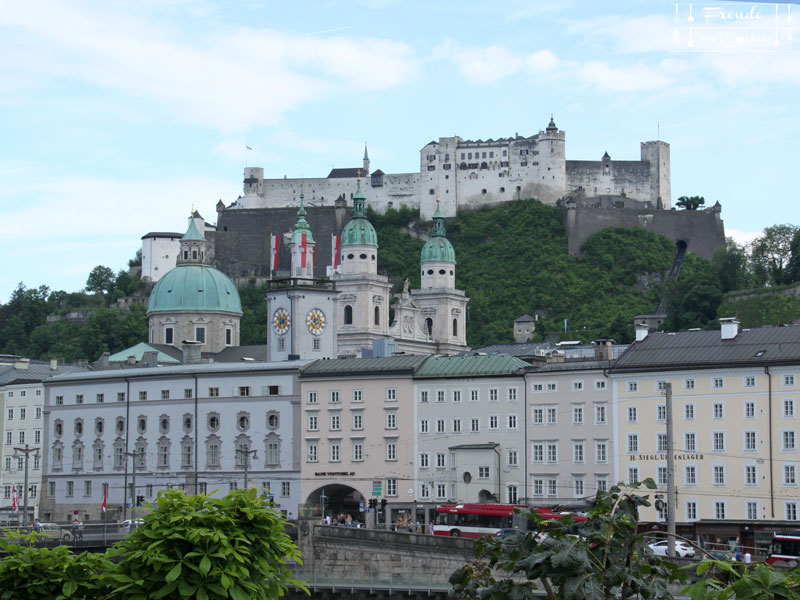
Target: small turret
{"points": [[438, 258], [193, 246], [302, 244], [366, 161]]}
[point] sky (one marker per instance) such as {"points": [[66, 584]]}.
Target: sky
{"points": [[119, 118]]}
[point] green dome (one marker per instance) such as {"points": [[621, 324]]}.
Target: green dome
{"points": [[301, 226], [359, 231], [438, 249], [195, 288]]}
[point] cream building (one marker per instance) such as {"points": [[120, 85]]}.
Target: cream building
{"points": [[735, 415]]}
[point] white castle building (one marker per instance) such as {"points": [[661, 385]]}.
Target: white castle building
{"points": [[465, 173]]}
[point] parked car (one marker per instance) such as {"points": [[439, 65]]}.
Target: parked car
{"points": [[717, 555], [125, 526], [682, 549], [508, 532], [56, 531]]}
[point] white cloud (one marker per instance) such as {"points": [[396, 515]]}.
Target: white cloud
{"points": [[743, 238], [228, 79], [492, 63], [633, 78]]}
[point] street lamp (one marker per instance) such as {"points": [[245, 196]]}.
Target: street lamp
{"points": [[134, 455], [246, 454], [26, 451]]}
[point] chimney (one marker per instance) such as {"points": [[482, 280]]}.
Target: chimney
{"points": [[191, 353], [603, 349], [150, 359], [642, 329], [54, 364], [131, 360], [22, 364], [730, 327]]}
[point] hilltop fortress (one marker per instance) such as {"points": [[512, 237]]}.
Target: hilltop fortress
{"points": [[470, 174]]}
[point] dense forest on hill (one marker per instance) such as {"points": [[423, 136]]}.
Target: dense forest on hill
{"points": [[512, 260]]}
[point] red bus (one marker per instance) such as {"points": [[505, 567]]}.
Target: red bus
{"points": [[476, 520], [785, 548]]}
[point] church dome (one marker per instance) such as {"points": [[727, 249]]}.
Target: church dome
{"points": [[438, 249], [194, 288], [359, 231]]}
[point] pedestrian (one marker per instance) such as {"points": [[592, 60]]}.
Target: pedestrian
{"points": [[80, 529], [74, 529], [37, 526], [747, 558], [738, 556]]}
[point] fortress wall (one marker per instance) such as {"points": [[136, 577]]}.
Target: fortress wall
{"points": [[702, 230], [630, 177]]}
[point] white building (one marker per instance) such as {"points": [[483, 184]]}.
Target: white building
{"points": [[200, 427]]}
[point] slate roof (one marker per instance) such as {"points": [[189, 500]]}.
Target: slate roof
{"points": [[470, 366], [347, 172], [37, 371], [572, 365], [706, 349], [257, 352], [363, 366], [162, 234], [526, 318], [139, 349]]}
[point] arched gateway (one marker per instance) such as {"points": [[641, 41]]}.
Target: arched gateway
{"points": [[338, 499]]}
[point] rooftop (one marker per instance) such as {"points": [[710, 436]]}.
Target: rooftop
{"points": [[363, 366], [470, 366]]}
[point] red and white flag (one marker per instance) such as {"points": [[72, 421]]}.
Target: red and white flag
{"points": [[14, 499], [303, 250], [105, 489], [273, 253], [336, 241]]}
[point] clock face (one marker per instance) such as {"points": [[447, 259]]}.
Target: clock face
{"points": [[280, 321], [315, 321]]}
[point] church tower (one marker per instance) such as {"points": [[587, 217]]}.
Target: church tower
{"points": [[363, 294], [442, 308], [301, 310]]}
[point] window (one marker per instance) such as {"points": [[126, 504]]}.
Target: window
{"points": [[281, 344], [79, 399], [474, 396], [313, 423], [456, 395], [633, 475], [719, 475], [334, 397], [213, 392], [790, 509], [633, 386], [577, 386], [661, 385], [37, 436], [552, 487], [751, 508], [423, 425], [720, 509], [358, 421], [511, 394], [336, 422], [70, 488], [552, 415], [440, 426], [718, 410], [689, 475], [391, 450], [358, 395], [424, 460], [552, 387], [311, 452], [717, 383], [633, 443], [688, 384], [661, 412], [537, 387], [22, 414], [600, 384], [511, 494], [788, 439], [537, 415], [456, 425], [9, 439], [423, 396], [474, 425], [493, 395], [552, 452], [512, 458], [661, 442], [163, 454], [391, 420], [21, 437], [286, 488], [691, 510], [790, 475], [689, 442], [440, 395], [749, 410], [537, 452], [511, 421], [100, 398], [335, 451], [483, 472], [600, 411], [661, 476], [391, 394], [633, 414], [243, 390], [749, 441], [601, 451], [718, 441], [200, 334], [38, 414], [391, 487], [577, 414], [601, 483], [750, 475], [750, 381], [788, 408], [578, 452], [441, 460]]}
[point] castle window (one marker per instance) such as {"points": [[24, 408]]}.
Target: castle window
{"points": [[431, 167], [519, 189], [430, 271], [200, 334], [377, 315], [429, 326], [442, 272], [168, 335], [455, 326], [348, 315], [350, 256], [363, 256], [194, 254], [185, 255], [228, 336], [502, 189], [483, 191], [431, 192]]}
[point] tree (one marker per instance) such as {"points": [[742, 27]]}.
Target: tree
{"points": [[731, 266], [793, 268], [207, 548], [723, 580], [770, 254], [602, 558], [690, 202], [101, 280]]}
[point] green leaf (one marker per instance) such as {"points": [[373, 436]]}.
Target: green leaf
{"points": [[174, 573], [205, 565]]}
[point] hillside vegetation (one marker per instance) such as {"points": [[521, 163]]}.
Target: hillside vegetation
{"points": [[512, 260]]}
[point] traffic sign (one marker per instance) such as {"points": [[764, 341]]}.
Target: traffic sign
{"points": [[377, 486]]}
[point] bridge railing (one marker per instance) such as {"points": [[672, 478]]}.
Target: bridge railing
{"points": [[357, 578]]}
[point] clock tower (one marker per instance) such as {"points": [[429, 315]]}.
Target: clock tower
{"points": [[301, 310]]}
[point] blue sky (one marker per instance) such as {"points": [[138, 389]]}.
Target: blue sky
{"points": [[118, 118]]}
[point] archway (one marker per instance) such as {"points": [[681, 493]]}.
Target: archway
{"points": [[336, 500]]}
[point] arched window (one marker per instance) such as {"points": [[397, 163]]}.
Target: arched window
{"points": [[429, 326], [348, 315], [377, 315], [455, 327]]}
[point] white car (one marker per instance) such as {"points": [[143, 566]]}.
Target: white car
{"points": [[682, 549], [125, 526]]}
